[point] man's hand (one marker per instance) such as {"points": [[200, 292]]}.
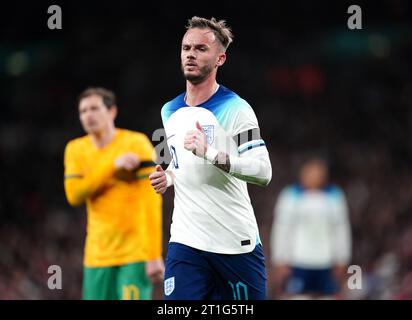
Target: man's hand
{"points": [[128, 161], [196, 141], [158, 180], [155, 270]]}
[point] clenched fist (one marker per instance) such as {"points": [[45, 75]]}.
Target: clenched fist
{"points": [[128, 161], [158, 180], [196, 141], [155, 270]]}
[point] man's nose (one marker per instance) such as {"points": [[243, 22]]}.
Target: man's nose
{"points": [[191, 54], [89, 115]]}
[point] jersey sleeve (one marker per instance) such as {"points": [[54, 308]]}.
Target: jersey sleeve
{"points": [[151, 201], [342, 230], [245, 119], [79, 185], [252, 164], [284, 216], [72, 167], [146, 149], [146, 153], [246, 131]]}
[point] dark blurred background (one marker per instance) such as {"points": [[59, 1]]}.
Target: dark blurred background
{"points": [[315, 85]]}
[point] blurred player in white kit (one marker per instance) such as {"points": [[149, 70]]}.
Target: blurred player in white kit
{"points": [[311, 236]]}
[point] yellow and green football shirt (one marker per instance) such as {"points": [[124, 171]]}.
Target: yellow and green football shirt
{"points": [[124, 214]]}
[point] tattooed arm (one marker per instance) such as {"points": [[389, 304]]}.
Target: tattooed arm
{"points": [[252, 166], [222, 161]]}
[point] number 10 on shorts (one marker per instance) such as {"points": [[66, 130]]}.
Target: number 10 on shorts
{"points": [[237, 289]]}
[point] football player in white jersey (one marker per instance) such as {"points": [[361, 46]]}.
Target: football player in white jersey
{"points": [[213, 136], [311, 238]]}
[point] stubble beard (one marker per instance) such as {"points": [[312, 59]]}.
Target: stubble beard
{"points": [[204, 72]]}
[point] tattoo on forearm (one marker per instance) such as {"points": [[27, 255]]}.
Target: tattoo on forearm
{"points": [[222, 161]]}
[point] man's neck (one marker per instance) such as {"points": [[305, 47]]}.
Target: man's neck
{"points": [[103, 138], [198, 93]]}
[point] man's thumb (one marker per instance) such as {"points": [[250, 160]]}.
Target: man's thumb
{"points": [[198, 126], [159, 168]]}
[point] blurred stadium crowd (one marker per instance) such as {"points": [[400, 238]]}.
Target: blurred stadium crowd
{"points": [[344, 94]]}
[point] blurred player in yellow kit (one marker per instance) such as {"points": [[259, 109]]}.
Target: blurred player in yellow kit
{"points": [[108, 170]]}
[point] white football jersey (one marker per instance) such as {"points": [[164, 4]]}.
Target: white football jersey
{"points": [[311, 229], [212, 209]]}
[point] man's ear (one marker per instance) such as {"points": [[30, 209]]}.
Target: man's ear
{"points": [[113, 112], [221, 59]]}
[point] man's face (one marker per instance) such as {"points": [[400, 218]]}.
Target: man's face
{"points": [[201, 54], [314, 175], [95, 117]]}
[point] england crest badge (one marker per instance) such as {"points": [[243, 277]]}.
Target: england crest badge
{"points": [[210, 133], [169, 285]]}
